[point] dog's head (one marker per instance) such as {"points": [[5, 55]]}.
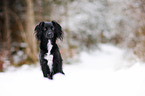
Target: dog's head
{"points": [[48, 30]]}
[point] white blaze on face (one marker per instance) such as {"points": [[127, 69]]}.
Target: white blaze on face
{"points": [[48, 56]]}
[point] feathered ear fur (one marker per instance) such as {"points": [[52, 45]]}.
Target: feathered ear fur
{"points": [[58, 30], [38, 30]]}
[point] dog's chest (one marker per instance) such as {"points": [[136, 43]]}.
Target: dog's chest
{"points": [[48, 55]]}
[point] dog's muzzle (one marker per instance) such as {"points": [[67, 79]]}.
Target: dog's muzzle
{"points": [[49, 35]]}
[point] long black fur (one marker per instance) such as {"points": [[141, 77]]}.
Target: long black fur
{"points": [[40, 31]]}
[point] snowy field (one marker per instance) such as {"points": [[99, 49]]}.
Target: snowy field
{"points": [[108, 71]]}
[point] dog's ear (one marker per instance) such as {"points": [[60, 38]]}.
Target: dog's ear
{"points": [[58, 30], [38, 30]]}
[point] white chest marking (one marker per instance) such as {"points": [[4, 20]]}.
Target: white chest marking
{"points": [[48, 55]]}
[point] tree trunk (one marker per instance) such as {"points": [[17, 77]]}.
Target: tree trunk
{"points": [[6, 44], [7, 28], [31, 49], [70, 49], [39, 8]]}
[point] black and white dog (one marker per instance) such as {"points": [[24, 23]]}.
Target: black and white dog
{"points": [[50, 58]]}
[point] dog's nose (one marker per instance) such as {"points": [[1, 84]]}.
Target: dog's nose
{"points": [[49, 33]]}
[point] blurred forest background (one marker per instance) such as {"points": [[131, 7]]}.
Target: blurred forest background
{"points": [[85, 23]]}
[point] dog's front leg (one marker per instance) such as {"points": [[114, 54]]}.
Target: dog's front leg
{"points": [[44, 67], [57, 62]]}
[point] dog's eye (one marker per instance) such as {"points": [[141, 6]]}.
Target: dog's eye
{"points": [[52, 28], [44, 28]]}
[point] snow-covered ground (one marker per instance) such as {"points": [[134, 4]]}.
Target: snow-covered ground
{"points": [[108, 71]]}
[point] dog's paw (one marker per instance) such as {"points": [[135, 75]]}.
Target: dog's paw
{"points": [[49, 77]]}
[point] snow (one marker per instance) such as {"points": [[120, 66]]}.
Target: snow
{"points": [[109, 71]]}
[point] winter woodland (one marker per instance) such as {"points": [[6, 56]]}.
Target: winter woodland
{"points": [[104, 44]]}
